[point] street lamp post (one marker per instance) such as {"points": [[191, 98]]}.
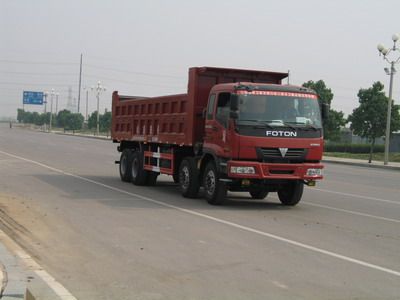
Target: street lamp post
{"points": [[51, 108], [45, 94], [98, 89], [385, 52], [87, 103], [57, 94]]}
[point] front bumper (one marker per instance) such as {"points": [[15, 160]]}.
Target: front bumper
{"points": [[275, 171]]}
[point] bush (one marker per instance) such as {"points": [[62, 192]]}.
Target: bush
{"points": [[353, 148]]}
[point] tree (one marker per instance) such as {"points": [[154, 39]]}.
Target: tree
{"points": [[21, 115], [105, 121], [92, 120], [335, 118], [62, 118], [368, 120], [74, 122]]}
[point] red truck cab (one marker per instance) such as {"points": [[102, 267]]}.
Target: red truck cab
{"points": [[264, 136]]}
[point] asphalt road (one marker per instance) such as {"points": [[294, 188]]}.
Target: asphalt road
{"points": [[62, 200]]}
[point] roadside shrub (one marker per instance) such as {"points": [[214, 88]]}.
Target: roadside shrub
{"points": [[352, 148]]}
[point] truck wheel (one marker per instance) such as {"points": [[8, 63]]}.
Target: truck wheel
{"points": [[175, 177], [189, 178], [291, 194], [125, 165], [152, 178], [139, 175], [258, 194], [215, 190]]}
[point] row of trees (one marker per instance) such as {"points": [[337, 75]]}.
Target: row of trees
{"points": [[66, 119], [368, 120]]}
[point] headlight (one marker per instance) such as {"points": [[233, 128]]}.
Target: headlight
{"points": [[314, 172], [243, 170]]}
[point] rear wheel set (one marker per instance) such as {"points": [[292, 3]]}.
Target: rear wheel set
{"points": [[131, 168]]}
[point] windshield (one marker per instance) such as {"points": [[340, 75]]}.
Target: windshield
{"points": [[280, 109]]}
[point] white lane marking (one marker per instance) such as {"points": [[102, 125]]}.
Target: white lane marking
{"points": [[355, 196], [31, 264], [221, 221], [350, 212]]}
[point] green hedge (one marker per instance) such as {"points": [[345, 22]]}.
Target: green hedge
{"points": [[353, 148]]}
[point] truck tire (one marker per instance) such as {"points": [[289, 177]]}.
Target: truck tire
{"points": [[258, 194], [189, 178], [151, 178], [291, 194], [215, 190], [175, 177], [125, 165], [139, 175]]}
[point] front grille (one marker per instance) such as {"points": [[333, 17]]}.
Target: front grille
{"points": [[274, 155]]}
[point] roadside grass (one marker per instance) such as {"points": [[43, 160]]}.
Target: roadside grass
{"points": [[393, 157]]}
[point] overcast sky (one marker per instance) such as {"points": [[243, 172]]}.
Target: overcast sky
{"points": [[146, 47]]}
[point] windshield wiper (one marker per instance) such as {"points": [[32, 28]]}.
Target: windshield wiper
{"points": [[305, 126], [259, 124], [309, 126], [287, 124]]}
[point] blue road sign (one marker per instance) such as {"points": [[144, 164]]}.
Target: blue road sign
{"points": [[34, 98]]}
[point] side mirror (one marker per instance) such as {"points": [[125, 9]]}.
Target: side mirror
{"points": [[325, 111], [234, 102], [204, 113]]}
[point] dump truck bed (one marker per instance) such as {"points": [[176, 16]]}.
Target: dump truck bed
{"points": [[176, 119]]}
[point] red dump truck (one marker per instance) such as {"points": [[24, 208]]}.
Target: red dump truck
{"points": [[234, 130]]}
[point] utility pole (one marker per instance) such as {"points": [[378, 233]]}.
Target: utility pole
{"points": [[80, 83]]}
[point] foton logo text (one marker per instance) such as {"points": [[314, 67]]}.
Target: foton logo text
{"points": [[279, 133]]}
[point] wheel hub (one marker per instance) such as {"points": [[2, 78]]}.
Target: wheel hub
{"points": [[210, 182]]}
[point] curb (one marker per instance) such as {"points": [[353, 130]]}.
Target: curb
{"points": [[37, 283], [361, 164], [83, 135], [37, 289], [100, 137]]}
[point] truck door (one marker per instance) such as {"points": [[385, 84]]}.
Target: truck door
{"points": [[217, 137]]}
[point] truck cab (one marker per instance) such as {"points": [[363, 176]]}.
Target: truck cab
{"points": [[264, 138]]}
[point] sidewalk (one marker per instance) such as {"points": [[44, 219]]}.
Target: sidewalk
{"points": [[17, 274], [361, 163]]}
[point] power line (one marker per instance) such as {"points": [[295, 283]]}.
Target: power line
{"points": [[39, 74], [129, 82], [37, 84], [131, 72], [36, 62]]}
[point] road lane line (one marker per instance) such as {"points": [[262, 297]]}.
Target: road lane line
{"points": [[221, 221], [350, 212], [355, 196]]}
